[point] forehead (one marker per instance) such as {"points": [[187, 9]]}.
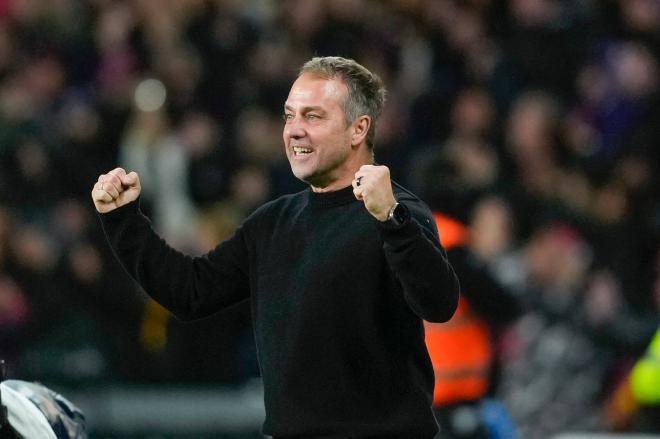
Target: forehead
{"points": [[313, 90]]}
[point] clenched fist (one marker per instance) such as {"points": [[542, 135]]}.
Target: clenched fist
{"points": [[373, 186], [115, 189]]}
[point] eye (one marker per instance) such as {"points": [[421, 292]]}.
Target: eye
{"points": [[312, 116], [287, 117]]}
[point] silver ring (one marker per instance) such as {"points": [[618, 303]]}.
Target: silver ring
{"points": [[359, 180]]}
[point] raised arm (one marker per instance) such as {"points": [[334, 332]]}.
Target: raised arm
{"points": [[411, 247], [190, 287]]}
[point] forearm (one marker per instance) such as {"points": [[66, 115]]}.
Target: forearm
{"points": [[189, 287], [429, 283]]}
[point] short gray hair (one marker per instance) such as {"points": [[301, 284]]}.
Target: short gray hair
{"points": [[366, 92]]}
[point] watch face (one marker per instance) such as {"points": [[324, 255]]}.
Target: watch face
{"points": [[399, 214]]}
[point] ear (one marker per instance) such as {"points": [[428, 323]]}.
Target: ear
{"points": [[360, 128]]}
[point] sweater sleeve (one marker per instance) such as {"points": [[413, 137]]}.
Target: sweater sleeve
{"points": [[419, 262], [189, 287]]}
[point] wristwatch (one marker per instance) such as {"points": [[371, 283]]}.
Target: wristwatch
{"points": [[397, 215]]}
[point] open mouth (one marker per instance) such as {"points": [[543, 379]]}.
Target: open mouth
{"points": [[301, 150]]}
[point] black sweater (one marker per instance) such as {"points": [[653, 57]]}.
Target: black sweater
{"points": [[337, 301]]}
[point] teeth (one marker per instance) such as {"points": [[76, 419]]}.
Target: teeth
{"points": [[301, 150]]}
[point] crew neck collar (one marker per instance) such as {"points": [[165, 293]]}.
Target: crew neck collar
{"points": [[333, 198]]}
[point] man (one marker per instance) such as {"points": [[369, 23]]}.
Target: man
{"points": [[339, 276]]}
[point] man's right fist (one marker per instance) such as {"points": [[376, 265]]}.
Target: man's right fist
{"points": [[115, 189]]}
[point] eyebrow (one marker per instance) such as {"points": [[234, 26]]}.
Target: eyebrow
{"points": [[305, 109]]}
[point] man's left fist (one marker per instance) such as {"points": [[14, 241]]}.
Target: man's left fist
{"points": [[372, 185]]}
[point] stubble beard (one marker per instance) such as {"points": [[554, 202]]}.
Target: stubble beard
{"points": [[322, 176]]}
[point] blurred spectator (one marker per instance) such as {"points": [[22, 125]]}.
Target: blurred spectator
{"points": [[551, 371], [464, 350], [152, 147], [454, 174], [616, 107], [632, 405]]}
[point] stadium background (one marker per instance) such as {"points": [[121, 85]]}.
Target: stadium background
{"points": [[534, 122]]}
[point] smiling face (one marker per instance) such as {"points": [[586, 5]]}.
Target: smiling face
{"points": [[320, 147]]}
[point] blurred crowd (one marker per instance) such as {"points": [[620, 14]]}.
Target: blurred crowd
{"points": [[533, 122]]}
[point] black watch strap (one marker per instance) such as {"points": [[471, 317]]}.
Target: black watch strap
{"points": [[397, 216]]}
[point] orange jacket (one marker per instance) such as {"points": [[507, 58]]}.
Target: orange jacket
{"points": [[460, 349]]}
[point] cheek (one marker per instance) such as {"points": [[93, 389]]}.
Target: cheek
{"points": [[339, 135]]}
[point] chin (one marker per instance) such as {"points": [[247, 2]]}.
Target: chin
{"points": [[305, 177], [302, 171], [309, 178]]}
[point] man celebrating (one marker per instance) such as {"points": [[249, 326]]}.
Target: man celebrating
{"points": [[339, 276]]}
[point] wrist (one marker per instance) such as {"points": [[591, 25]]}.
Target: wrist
{"points": [[384, 214], [397, 215]]}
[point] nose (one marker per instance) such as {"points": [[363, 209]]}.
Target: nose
{"points": [[294, 129]]}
